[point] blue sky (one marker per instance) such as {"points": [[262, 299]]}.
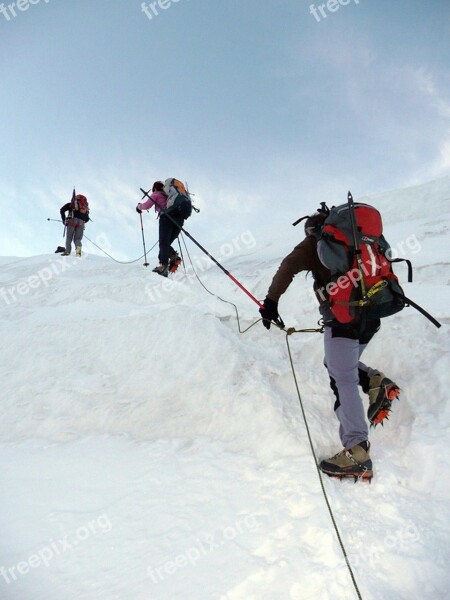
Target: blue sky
{"points": [[262, 108]]}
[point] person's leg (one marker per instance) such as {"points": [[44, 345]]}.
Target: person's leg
{"points": [[165, 233], [177, 224], [343, 349], [78, 236], [341, 359], [70, 230], [365, 373], [380, 389]]}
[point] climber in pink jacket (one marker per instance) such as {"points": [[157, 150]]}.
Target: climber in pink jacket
{"points": [[158, 199], [169, 229]]}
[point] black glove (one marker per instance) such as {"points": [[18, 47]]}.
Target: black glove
{"points": [[269, 312], [138, 210]]}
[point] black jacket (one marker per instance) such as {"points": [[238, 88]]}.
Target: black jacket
{"points": [[76, 214]]}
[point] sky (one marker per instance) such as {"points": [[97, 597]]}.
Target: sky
{"points": [[265, 108]]}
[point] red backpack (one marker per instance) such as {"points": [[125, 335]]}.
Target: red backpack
{"points": [[80, 204], [350, 243], [352, 246]]}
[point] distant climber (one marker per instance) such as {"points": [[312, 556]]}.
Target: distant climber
{"points": [[169, 229], [75, 221]]}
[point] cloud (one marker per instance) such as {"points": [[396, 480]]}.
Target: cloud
{"points": [[426, 84]]}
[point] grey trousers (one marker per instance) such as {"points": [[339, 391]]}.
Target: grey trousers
{"points": [[343, 349], [74, 233]]}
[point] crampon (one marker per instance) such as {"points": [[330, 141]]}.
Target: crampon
{"points": [[173, 265], [363, 475], [380, 409]]}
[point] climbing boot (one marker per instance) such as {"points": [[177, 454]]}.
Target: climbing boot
{"points": [[162, 270], [351, 462]]}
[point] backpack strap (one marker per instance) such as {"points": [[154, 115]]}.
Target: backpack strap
{"points": [[408, 262], [422, 311]]}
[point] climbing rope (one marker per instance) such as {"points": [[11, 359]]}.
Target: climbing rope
{"points": [[215, 295], [121, 262], [333, 520], [289, 332]]}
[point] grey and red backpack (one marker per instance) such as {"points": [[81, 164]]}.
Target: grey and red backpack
{"points": [[350, 243]]}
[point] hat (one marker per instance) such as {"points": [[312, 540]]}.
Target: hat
{"points": [[158, 186], [314, 223]]}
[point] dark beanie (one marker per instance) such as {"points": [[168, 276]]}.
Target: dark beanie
{"points": [[158, 186]]}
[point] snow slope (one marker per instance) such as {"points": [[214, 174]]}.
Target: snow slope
{"points": [[151, 452]]}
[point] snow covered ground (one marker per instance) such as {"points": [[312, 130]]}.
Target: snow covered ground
{"points": [[151, 452]]}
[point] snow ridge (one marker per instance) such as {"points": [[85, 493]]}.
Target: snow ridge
{"points": [[134, 411]]}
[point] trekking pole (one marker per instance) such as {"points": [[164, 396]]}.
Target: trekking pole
{"points": [[232, 277], [143, 240], [59, 221], [181, 254]]}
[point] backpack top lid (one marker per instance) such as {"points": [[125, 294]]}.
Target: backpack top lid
{"points": [[368, 223], [174, 186], [368, 220], [81, 204]]}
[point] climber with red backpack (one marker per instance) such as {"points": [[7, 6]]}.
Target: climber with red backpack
{"points": [[348, 257], [172, 202], [75, 221]]}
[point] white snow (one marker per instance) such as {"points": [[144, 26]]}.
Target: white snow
{"points": [[151, 452]]}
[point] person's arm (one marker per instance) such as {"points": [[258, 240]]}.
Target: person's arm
{"points": [[300, 259], [146, 205], [63, 211]]}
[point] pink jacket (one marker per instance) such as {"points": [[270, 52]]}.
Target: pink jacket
{"points": [[157, 199]]}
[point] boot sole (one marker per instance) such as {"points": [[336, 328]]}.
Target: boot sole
{"points": [[365, 475]]}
